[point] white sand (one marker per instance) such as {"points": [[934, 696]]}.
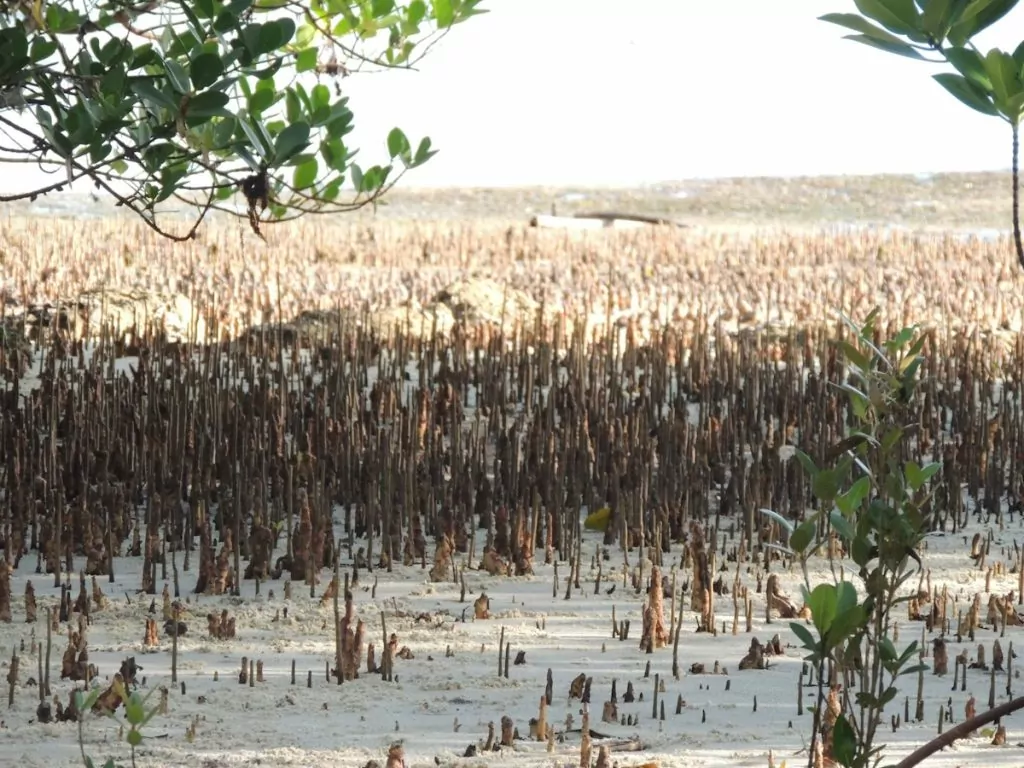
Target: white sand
{"points": [[278, 724]]}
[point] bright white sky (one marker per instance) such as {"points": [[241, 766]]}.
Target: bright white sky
{"points": [[601, 92], [594, 91]]}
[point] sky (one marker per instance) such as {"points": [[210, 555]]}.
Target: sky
{"points": [[594, 92]]}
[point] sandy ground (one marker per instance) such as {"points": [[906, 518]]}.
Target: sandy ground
{"points": [[280, 724], [976, 202]]}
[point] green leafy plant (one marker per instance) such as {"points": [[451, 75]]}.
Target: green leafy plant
{"points": [[190, 101], [873, 500], [136, 717], [942, 31]]}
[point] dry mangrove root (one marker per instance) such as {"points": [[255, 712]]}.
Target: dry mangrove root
{"points": [[655, 633]]}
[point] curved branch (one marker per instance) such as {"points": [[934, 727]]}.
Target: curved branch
{"points": [[958, 732]]}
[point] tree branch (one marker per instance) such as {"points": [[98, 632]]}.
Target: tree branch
{"points": [[959, 731]]}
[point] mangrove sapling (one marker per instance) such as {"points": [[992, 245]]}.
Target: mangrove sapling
{"points": [[136, 715], [873, 502]]}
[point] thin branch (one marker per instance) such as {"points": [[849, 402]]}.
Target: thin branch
{"points": [[1016, 194], [958, 732]]}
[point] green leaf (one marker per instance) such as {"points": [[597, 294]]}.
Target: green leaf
{"points": [[134, 711], [262, 98], [847, 622], [238, 8], [898, 16], [823, 601], [255, 138], [144, 56], [306, 60], [268, 72], [61, 21], [133, 737], [334, 154], [844, 742], [803, 535], [1002, 70], [42, 49], [224, 131], [382, 7], [861, 551], [900, 340], [970, 64], [806, 462], [84, 703], [825, 485], [225, 22], [908, 652], [928, 470], [846, 597], [193, 20], [275, 34], [1015, 108], [1018, 56], [423, 152], [859, 24], [785, 524], [304, 35], [113, 83], [913, 474], [849, 501], [914, 351], [444, 14], [1007, 84], [967, 92], [374, 178], [416, 12], [99, 150], [937, 17], [841, 525], [209, 104], [468, 9], [916, 477], [900, 49], [207, 68], [804, 635], [398, 144], [292, 106], [291, 141], [976, 16], [861, 360], [909, 372], [305, 174], [177, 76], [250, 41], [866, 700], [320, 96], [914, 669], [886, 650], [332, 190]]}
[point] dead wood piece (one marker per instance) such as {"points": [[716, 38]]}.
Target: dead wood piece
{"points": [[481, 607], [778, 602], [493, 564], [755, 656]]}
